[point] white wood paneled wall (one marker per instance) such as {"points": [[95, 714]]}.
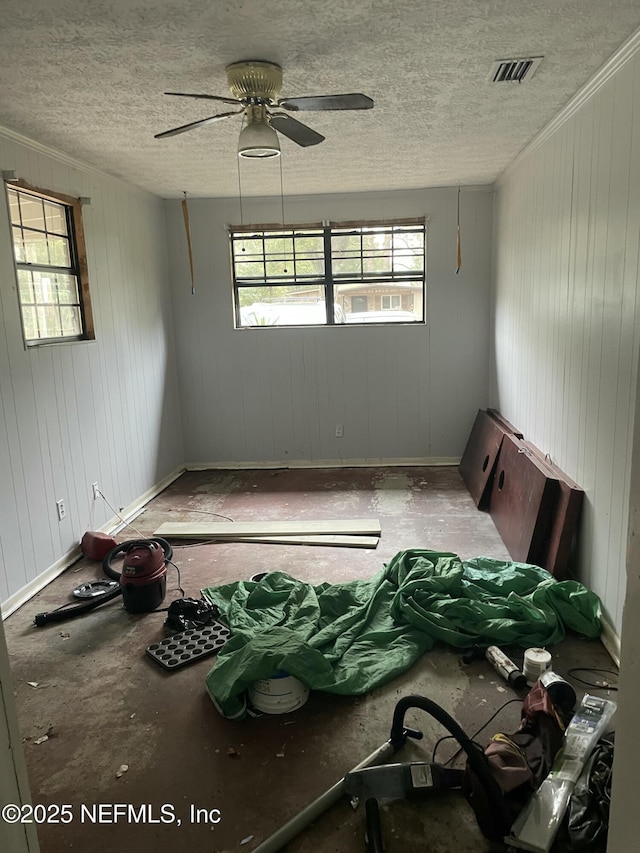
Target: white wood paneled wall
{"points": [[276, 394], [567, 312], [74, 414]]}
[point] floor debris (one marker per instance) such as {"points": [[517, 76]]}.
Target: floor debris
{"points": [[48, 734], [122, 770]]}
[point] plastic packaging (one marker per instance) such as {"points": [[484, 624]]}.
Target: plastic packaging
{"points": [[536, 826], [586, 825]]}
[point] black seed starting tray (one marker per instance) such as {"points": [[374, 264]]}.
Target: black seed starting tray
{"points": [[189, 646]]}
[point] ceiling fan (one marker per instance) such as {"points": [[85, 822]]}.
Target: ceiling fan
{"points": [[255, 86]]}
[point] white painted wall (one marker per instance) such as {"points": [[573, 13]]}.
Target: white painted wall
{"points": [[567, 311], [73, 414], [276, 394], [624, 827]]}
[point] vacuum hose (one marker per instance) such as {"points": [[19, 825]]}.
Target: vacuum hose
{"points": [[64, 612]]}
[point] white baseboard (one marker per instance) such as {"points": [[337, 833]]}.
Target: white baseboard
{"points": [[23, 595], [427, 462], [610, 640], [114, 525]]}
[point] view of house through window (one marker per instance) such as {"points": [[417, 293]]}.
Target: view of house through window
{"points": [[48, 246], [329, 274]]}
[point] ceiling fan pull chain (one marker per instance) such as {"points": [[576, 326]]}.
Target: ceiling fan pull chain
{"points": [[240, 199], [281, 195]]}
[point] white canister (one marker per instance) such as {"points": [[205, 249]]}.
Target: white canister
{"points": [[536, 662]]}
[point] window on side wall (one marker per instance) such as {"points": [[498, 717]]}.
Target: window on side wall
{"points": [[51, 267], [329, 274]]}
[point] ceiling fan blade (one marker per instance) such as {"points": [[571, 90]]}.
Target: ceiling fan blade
{"points": [[354, 101], [203, 122], [206, 97], [295, 130]]}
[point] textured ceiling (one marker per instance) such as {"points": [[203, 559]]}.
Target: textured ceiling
{"points": [[87, 78]]}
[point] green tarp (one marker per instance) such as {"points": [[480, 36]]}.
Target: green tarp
{"points": [[351, 637]]}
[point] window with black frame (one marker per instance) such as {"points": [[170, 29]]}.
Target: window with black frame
{"points": [[329, 274]]}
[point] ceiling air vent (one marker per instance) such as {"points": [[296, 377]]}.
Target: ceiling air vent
{"points": [[514, 70]]}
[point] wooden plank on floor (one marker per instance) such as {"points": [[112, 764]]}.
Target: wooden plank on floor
{"points": [[223, 530], [326, 539]]}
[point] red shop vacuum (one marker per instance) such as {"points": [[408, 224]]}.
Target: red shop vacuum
{"points": [[142, 583], [143, 580]]}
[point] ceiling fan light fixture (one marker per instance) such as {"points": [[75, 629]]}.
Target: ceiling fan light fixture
{"points": [[258, 140], [255, 85]]}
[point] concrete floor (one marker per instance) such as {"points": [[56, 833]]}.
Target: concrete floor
{"points": [[104, 703]]}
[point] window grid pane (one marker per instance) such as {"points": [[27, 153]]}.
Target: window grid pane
{"points": [[391, 252], [18, 244], [277, 256], [50, 304], [31, 212], [56, 221]]}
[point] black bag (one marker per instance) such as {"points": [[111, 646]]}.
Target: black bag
{"points": [[185, 613], [586, 822]]}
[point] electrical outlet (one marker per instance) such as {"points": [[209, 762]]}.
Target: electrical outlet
{"points": [[339, 431], [62, 510], [96, 491]]}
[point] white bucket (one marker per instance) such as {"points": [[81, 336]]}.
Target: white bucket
{"points": [[278, 695], [536, 662]]}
